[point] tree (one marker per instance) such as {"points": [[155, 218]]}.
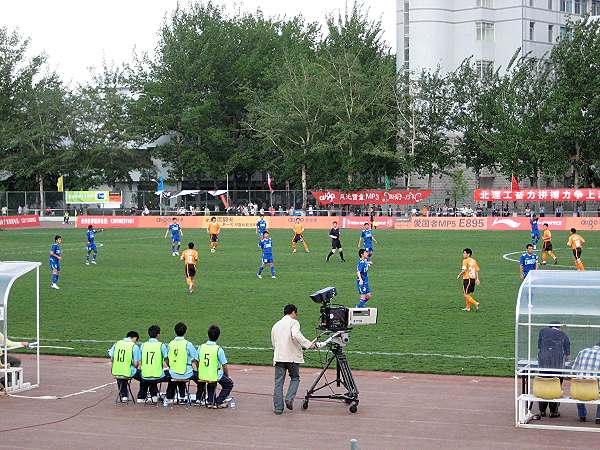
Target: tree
{"points": [[34, 115], [459, 186], [573, 98], [105, 150], [292, 119], [360, 73]]}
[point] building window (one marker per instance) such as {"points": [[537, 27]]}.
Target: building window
{"points": [[566, 6], [406, 34], [595, 7], [484, 68], [550, 33], [581, 7], [532, 31], [550, 5], [563, 31], [484, 31], [485, 3]]}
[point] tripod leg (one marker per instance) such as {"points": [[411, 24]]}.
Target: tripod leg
{"points": [[311, 390]]}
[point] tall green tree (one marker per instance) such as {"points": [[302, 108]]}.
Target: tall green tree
{"points": [[574, 98]]}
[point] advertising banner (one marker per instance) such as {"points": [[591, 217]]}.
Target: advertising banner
{"points": [[522, 223], [582, 223], [537, 195], [88, 197], [442, 223], [19, 221], [370, 197]]}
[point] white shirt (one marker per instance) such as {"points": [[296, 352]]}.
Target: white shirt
{"points": [[288, 341]]}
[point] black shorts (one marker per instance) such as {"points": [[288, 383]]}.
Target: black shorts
{"points": [[469, 285], [214, 238], [577, 252], [336, 244], [190, 270], [547, 246], [298, 238]]}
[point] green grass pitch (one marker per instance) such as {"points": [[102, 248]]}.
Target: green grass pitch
{"points": [[421, 326]]}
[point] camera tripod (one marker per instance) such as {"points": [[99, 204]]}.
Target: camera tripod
{"points": [[343, 378]]}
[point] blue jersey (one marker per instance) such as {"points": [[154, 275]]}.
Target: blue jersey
{"points": [[91, 235], [528, 262], [367, 237], [175, 230], [261, 225], [267, 247], [363, 267], [534, 226], [56, 250]]}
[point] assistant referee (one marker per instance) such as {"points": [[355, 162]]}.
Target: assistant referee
{"points": [[336, 244]]}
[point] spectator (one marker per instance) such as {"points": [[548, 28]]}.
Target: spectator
{"points": [[527, 211], [291, 212], [588, 363], [146, 211], [206, 210], [271, 210], [126, 364], [554, 348], [558, 211], [542, 211], [20, 210], [212, 370], [4, 210], [310, 210]]}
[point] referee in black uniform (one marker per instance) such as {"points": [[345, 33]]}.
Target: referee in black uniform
{"points": [[336, 244]]}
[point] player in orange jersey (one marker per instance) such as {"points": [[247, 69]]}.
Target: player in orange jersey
{"points": [[470, 275], [298, 236], [547, 248], [190, 261], [576, 243], [213, 231]]}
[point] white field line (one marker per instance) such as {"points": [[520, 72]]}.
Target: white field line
{"points": [[58, 397], [268, 349], [507, 257]]}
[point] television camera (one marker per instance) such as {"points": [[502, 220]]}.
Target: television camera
{"points": [[337, 321]]}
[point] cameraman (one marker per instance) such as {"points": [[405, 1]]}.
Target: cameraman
{"points": [[287, 342]]}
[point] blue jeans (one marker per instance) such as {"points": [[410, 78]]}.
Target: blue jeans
{"points": [[582, 411], [226, 386]]}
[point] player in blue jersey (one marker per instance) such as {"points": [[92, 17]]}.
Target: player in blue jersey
{"points": [[528, 262], [535, 231], [176, 233], [362, 278], [367, 238], [261, 227], [267, 255], [91, 245], [55, 257]]}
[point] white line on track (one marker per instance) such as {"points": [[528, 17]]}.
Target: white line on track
{"points": [[58, 397], [268, 349]]}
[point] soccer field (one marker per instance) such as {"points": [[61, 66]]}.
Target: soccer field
{"points": [[413, 279]]}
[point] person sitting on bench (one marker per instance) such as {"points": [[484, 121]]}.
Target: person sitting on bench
{"points": [[212, 369], [12, 361], [126, 357]]}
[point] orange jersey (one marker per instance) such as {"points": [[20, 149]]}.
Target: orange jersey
{"points": [[470, 268], [575, 241], [547, 237], [214, 228], [190, 256], [298, 229]]}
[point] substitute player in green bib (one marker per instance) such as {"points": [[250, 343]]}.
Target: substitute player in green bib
{"points": [[212, 369], [126, 356], [155, 365], [183, 362]]}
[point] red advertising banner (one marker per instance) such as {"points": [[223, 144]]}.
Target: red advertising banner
{"points": [[537, 195], [19, 221], [370, 197], [443, 223], [523, 224]]}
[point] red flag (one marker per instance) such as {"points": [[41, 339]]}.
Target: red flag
{"points": [[514, 185], [269, 182]]}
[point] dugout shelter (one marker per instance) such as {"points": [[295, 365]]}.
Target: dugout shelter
{"points": [[10, 271], [568, 301]]}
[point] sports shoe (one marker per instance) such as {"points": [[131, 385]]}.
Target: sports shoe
{"points": [[535, 247], [212, 250], [94, 261], [124, 399], [176, 253], [465, 309], [582, 419], [543, 263], [173, 254], [289, 404], [307, 251], [273, 276], [87, 263], [556, 414], [54, 286], [294, 251], [597, 421], [259, 275], [556, 261], [141, 400], [155, 399], [221, 405]]}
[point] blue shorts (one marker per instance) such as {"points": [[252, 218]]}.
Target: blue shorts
{"points": [[55, 265], [369, 249], [91, 248], [176, 239], [363, 289], [535, 234], [267, 259]]}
